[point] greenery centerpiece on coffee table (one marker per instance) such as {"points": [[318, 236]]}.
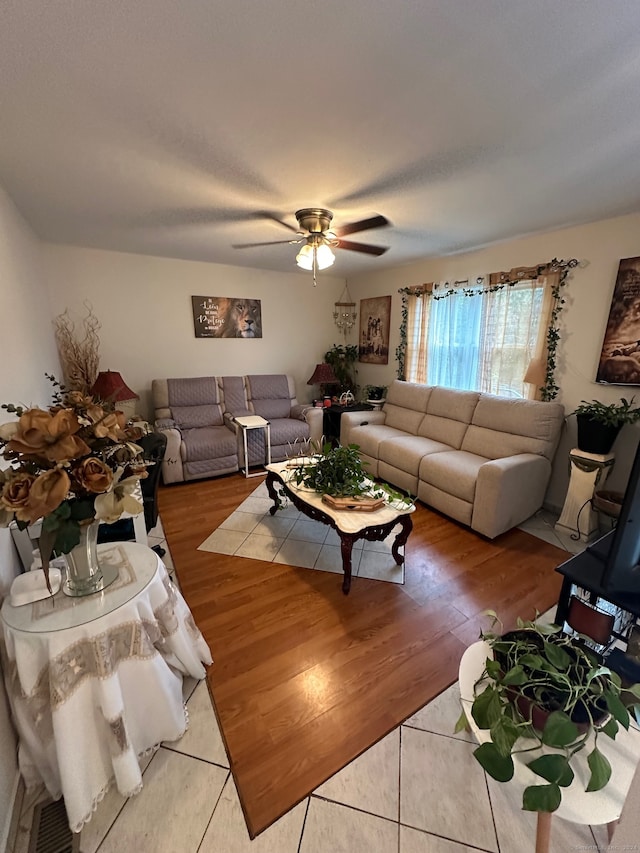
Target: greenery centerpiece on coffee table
{"points": [[546, 694], [340, 472]]}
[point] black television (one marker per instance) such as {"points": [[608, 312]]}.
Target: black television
{"points": [[619, 549]]}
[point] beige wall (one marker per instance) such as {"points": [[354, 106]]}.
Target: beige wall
{"points": [[599, 247], [28, 351], [144, 305]]}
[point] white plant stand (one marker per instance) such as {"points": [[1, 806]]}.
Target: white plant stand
{"points": [[588, 472]]}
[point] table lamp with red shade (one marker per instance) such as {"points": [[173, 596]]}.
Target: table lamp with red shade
{"points": [[110, 386], [323, 376]]}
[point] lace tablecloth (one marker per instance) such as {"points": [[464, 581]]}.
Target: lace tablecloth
{"points": [[95, 682]]}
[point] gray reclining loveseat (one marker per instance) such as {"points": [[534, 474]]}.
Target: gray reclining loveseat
{"points": [[196, 414]]}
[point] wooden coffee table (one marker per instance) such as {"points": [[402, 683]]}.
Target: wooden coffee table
{"points": [[349, 525]]}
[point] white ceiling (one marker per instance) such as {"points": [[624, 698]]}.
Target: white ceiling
{"points": [[169, 127]]}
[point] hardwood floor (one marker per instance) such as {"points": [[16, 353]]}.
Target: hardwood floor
{"points": [[304, 678]]}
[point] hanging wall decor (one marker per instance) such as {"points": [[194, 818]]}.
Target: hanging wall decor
{"points": [[375, 318], [226, 317], [620, 356]]}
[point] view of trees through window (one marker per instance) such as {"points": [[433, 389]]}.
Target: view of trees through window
{"points": [[484, 341]]}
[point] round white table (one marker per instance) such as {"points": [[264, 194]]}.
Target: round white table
{"points": [[578, 806], [95, 682]]}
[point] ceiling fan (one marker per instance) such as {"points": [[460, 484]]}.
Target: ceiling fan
{"points": [[319, 239]]}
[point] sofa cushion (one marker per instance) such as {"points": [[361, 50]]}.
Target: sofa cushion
{"points": [[505, 427], [235, 398], [196, 391], [268, 395], [409, 395], [454, 472], [208, 443], [210, 467], [445, 502], [406, 405], [287, 430], [449, 413], [406, 453], [368, 437], [191, 417], [271, 409]]}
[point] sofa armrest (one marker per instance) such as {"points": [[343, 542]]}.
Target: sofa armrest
{"points": [[163, 424], [299, 411], [350, 420], [172, 471], [509, 491], [315, 418], [229, 416]]}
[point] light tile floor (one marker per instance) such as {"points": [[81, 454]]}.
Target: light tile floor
{"points": [[291, 538], [419, 790]]}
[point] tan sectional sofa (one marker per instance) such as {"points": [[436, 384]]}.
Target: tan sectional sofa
{"points": [[478, 458]]}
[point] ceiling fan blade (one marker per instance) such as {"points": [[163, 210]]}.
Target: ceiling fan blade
{"points": [[362, 225], [269, 243], [362, 247], [266, 214]]}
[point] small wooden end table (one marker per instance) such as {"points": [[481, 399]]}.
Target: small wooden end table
{"points": [[349, 525], [333, 414]]}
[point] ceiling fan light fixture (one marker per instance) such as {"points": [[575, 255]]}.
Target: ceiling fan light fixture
{"points": [[304, 258], [314, 224], [324, 256]]}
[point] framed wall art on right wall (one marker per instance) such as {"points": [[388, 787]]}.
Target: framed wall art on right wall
{"points": [[620, 355]]}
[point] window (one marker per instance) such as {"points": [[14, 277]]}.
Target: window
{"points": [[475, 338]]}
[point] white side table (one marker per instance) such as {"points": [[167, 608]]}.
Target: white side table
{"points": [[588, 472], [247, 422]]}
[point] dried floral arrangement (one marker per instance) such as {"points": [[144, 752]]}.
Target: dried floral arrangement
{"points": [[71, 464], [79, 356]]}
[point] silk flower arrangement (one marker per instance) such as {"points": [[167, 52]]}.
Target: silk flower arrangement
{"points": [[71, 464]]}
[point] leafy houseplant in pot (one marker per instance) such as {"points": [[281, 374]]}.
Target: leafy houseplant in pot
{"points": [[339, 472], [343, 361], [547, 697], [374, 393], [599, 424]]}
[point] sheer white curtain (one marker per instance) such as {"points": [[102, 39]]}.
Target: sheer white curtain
{"points": [[418, 310], [475, 340], [454, 339], [509, 335]]}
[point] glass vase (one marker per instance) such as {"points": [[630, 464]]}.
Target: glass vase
{"points": [[84, 574]]}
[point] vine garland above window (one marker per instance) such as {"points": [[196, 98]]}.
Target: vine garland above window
{"points": [[498, 281]]}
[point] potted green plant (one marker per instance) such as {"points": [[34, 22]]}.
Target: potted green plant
{"points": [[545, 695], [599, 424], [374, 392], [343, 360]]}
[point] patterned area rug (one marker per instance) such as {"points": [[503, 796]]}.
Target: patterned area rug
{"points": [[290, 538]]}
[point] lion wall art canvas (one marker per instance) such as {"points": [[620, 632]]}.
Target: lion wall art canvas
{"points": [[620, 357], [226, 317]]}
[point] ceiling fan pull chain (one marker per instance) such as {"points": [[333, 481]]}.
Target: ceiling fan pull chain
{"points": [[314, 267]]}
